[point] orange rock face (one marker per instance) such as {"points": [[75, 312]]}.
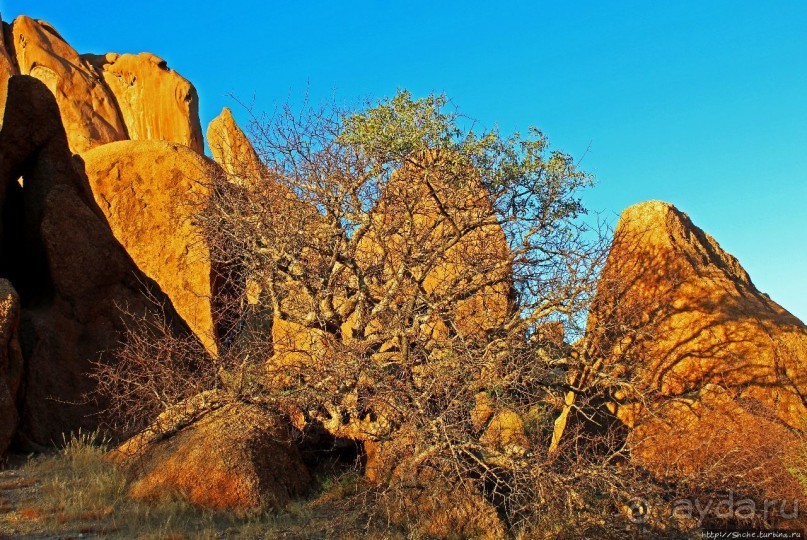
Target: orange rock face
{"points": [[438, 213], [149, 192], [237, 457], [110, 97], [506, 433], [155, 102], [717, 439], [7, 69], [231, 148], [88, 109], [72, 274], [682, 315]]}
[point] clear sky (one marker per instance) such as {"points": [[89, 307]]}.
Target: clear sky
{"points": [[699, 103]]}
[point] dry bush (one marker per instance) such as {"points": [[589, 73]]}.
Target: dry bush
{"points": [[421, 290], [155, 369]]}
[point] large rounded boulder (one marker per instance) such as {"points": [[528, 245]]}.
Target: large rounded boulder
{"points": [[222, 456], [149, 192], [73, 277], [155, 102], [88, 109]]}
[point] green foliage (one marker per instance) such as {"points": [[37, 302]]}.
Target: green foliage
{"points": [[401, 126], [534, 190], [396, 129]]}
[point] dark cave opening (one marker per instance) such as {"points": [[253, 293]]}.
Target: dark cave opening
{"points": [[22, 258]]}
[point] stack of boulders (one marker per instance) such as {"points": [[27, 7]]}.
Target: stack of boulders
{"points": [[101, 171]]}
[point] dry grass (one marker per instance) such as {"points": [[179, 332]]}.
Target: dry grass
{"points": [[76, 492]]}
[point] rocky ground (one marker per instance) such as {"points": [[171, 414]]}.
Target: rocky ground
{"points": [[76, 494], [19, 493]]}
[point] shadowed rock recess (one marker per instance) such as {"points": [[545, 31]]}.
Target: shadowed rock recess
{"points": [[101, 173], [71, 273]]}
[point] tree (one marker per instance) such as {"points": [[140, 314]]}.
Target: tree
{"points": [[417, 286]]}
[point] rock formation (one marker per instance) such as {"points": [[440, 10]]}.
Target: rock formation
{"points": [[149, 192], [682, 316], [72, 276], [230, 457], [7, 68], [155, 102], [75, 276], [719, 369], [232, 150], [88, 109], [106, 98], [712, 438], [447, 206], [11, 362]]}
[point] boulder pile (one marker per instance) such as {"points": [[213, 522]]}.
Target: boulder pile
{"points": [[102, 170]]}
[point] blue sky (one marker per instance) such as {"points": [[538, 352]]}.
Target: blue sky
{"points": [[701, 104]]}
